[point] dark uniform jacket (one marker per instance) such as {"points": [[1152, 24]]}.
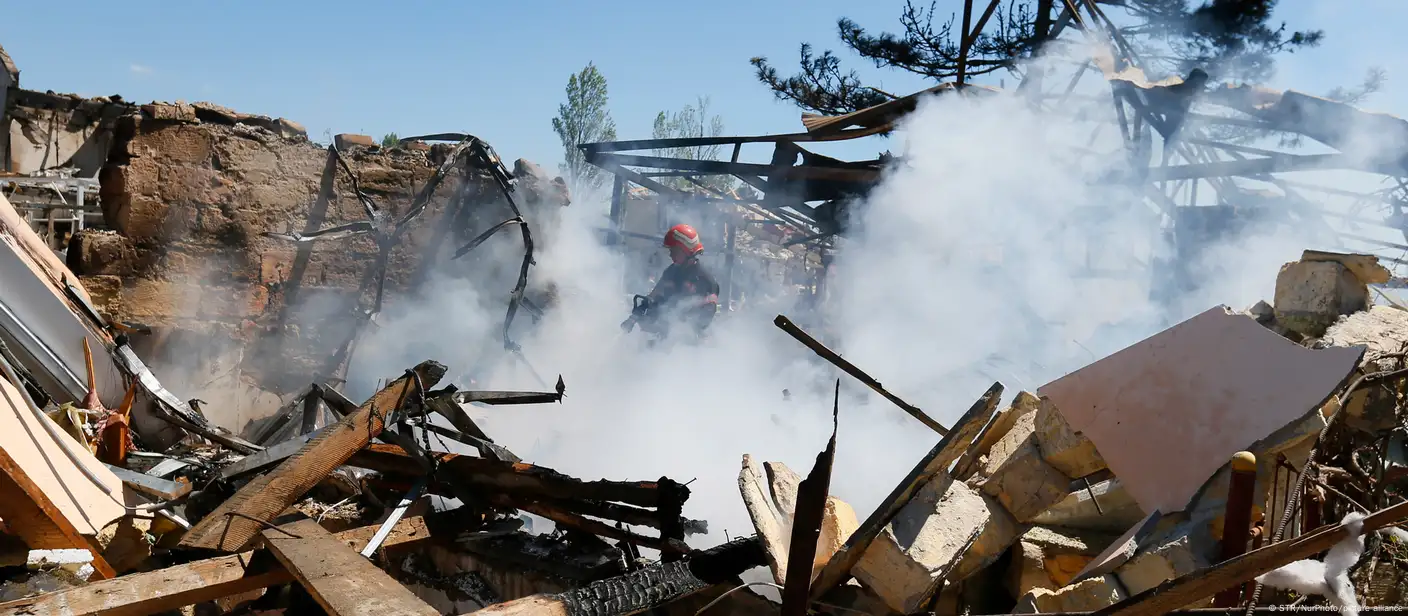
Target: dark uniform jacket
{"points": [[686, 292]]}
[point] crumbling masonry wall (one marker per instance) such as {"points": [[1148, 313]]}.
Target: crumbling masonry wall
{"points": [[189, 191]]}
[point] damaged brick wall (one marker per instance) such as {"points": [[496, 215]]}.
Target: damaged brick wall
{"points": [[46, 131], [189, 191]]}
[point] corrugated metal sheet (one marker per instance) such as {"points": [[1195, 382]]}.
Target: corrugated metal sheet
{"points": [[40, 323]]}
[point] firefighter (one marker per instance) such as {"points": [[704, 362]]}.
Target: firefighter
{"points": [[685, 291]]}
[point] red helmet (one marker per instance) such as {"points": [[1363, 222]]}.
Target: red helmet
{"points": [[685, 238]]}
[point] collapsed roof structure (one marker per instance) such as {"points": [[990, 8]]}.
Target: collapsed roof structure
{"points": [[1185, 145]]}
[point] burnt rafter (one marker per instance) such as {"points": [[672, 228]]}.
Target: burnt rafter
{"points": [[789, 185]]}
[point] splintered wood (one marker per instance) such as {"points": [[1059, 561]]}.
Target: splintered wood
{"points": [[339, 579], [197, 582], [238, 520], [950, 447]]}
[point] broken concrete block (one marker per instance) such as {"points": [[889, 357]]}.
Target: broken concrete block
{"points": [[173, 112], [1158, 565], [837, 524], [1312, 295], [1262, 312], [71, 559], [1028, 570], [288, 129], [770, 494], [1001, 424], [762, 509], [1111, 509], [1086, 596], [928, 536], [1019, 477], [1383, 331], [1056, 554], [1364, 267], [93, 252], [1063, 447], [346, 141]]}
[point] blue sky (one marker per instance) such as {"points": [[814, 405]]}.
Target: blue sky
{"points": [[498, 69]]}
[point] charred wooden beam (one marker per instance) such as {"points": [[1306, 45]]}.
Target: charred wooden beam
{"points": [[626, 514], [820, 349], [666, 545], [514, 477], [155, 487], [1275, 164], [812, 495], [712, 167], [689, 142], [230, 527], [499, 398], [643, 590], [285, 414]]}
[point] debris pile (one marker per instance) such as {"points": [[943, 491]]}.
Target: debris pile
{"points": [[1180, 472], [200, 203], [1203, 466]]}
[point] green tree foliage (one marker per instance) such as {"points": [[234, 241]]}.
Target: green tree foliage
{"points": [[583, 118], [390, 140], [692, 121], [1230, 39]]}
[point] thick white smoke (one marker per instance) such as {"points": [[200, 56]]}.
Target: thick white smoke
{"points": [[970, 263]]}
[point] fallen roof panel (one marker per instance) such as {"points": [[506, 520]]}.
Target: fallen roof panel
{"points": [[1168, 412]]}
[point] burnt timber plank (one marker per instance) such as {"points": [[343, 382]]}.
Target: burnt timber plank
{"points": [[139, 594], [30, 514], [341, 580], [645, 589], [950, 447], [229, 528]]}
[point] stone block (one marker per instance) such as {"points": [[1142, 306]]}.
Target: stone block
{"points": [[1155, 566], [288, 129], [837, 524], [1312, 295], [770, 494], [1117, 510], [1028, 570], [347, 141], [1050, 558], [1019, 477], [927, 536], [170, 112], [101, 253], [1063, 447], [1364, 267], [1065, 567], [1086, 596]]}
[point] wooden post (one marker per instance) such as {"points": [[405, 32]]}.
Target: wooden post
{"points": [[618, 190], [1237, 521], [730, 238]]}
